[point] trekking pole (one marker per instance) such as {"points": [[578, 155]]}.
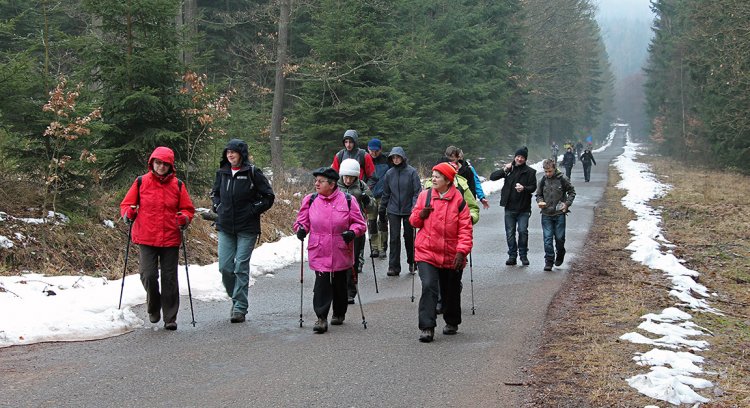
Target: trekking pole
{"points": [[413, 272], [374, 275], [356, 285], [301, 277], [125, 268], [187, 276], [471, 275]]}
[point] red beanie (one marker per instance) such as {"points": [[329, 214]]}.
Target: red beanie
{"points": [[446, 170]]}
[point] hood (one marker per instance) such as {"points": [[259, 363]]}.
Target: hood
{"points": [[351, 134], [164, 154], [238, 146], [397, 151]]}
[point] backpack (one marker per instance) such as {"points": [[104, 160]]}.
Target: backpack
{"points": [[315, 195], [179, 190], [360, 157], [429, 198]]}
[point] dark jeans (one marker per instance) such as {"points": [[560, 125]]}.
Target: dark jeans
{"points": [[152, 259], [394, 256], [446, 282], [568, 170], [516, 220], [586, 171], [553, 226], [330, 287], [359, 249]]}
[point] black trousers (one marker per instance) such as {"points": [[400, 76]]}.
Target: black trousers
{"points": [[394, 255], [330, 287], [447, 282], [152, 259]]}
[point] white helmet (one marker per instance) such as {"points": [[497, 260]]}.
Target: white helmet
{"points": [[349, 167]]}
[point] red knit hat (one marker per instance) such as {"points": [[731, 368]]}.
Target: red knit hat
{"points": [[446, 170]]}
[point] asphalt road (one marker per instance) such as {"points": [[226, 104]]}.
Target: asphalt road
{"points": [[270, 361]]}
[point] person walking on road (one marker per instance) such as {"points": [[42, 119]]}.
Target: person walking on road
{"points": [[554, 196], [159, 207], [377, 226], [587, 158], [568, 161], [402, 186], [351, 184], [443, 242], [467, 171], [515, 196], [333, 219], [351, 150], [240, 194]]}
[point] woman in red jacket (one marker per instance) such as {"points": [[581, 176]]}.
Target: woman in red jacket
{"points": [[442, 244], [159, 206]]}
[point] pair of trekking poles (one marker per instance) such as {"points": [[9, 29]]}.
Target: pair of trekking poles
{"points": [[354, 277], [187, 275]]}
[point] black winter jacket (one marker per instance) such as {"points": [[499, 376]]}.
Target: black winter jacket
{"points": [[511, 199], [239, 200]]}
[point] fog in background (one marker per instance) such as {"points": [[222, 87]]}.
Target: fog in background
{"points": [[626, 29]]}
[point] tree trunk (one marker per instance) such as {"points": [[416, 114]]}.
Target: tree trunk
{"points": [[277, 110]]}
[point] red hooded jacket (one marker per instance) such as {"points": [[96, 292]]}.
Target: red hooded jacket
{"points": [[445, 232], [159, 199]]}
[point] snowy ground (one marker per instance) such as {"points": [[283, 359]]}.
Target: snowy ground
{"points": [[672, 376]]}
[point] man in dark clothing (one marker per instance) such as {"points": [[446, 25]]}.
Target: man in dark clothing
{"points": [[568, 161], [400, 192], [515, 196], [378, 227], [352, 151], [587, 158]]}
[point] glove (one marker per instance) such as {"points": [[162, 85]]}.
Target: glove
{"points": [[215, 208], [130, 214], [182, 221], [459, 262], [365, 200], [425, 212], [301, 234], [348, 236]]}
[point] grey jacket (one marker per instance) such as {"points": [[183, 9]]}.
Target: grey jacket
{"points": [[401, 187], [555, 190]]}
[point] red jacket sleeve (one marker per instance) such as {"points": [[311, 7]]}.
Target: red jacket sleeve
{"points": [[465, 231], [414, 218], [131, 198], [369, 166], [335, 165], [186, 204]]}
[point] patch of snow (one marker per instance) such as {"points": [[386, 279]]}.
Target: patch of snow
{"points": [[5, 242], [108, 223]]}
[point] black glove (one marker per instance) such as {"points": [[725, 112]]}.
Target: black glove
{"points": [[301, 234], [425, 212], [365, 200], [348, 236]]}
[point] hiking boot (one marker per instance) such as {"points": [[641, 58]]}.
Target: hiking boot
{"points": [[547, 266], [320, 326], [384, 253], [560, 257], [337, 320], [524, 261], [154, 317], [349, 300], [393, 272], [375, 253], [426, 335], [450, 329], [237, 317], [510, 261], [170, 326]]}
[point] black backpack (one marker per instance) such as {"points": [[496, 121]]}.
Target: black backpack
{"points": [[429, 198], [360, 157], [315, 195]]}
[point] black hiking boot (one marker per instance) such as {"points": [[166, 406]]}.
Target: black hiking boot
{"points": [[547, 266], [337, 320], [560, 257], [154, 317], [426, 335], [349, 300], [450, 329], [510, 261], [375, 253], [393, 272], [170, 326], [237, 317], [320, 326], [524, 261]]}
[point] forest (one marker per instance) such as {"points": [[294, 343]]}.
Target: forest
{"points": [[698, 82], [89, 88]]}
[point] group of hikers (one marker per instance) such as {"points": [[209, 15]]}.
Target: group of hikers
{"points": [[362, 191], [569, 158]]}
